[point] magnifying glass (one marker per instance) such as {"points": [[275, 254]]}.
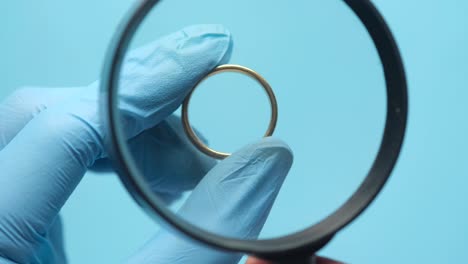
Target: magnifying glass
{"points": [[300, 245]]}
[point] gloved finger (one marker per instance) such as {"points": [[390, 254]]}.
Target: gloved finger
{"points": [[155, 81], [158, 147], [51, 249], [166, 140], [42, 165], [56, 237], [24, 104], [167, 159], [233, 199]]}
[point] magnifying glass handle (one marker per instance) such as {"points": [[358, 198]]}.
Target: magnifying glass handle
{"points": [[307, 260]]}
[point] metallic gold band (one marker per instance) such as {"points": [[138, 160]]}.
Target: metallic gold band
{"points": [[228, 68]]}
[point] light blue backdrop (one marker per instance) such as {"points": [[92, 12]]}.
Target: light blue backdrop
{"points": [[421, 215]]}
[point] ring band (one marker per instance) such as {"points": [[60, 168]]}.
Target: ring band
{"points": [[220, 69]]}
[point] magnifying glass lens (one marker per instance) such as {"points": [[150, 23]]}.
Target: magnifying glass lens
{"points": [[329, 84]]}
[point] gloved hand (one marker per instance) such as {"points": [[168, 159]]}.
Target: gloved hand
{"points": [[50, 137]]}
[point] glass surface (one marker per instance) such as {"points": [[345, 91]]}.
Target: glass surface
{"points": [[329, 83]]}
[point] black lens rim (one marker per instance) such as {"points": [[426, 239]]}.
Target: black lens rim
{"points": [[312, 238]]}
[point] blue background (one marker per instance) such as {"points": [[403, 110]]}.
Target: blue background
{"points": [[330, 89]]}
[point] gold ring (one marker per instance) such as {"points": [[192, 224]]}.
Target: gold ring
{"points": [[228, 68]]}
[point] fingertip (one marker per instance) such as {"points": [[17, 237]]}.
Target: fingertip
{"points": [[267, 148], [217, 38], [158, 76]]}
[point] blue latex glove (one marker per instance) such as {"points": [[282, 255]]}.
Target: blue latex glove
{"points": [[50, 137]]}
